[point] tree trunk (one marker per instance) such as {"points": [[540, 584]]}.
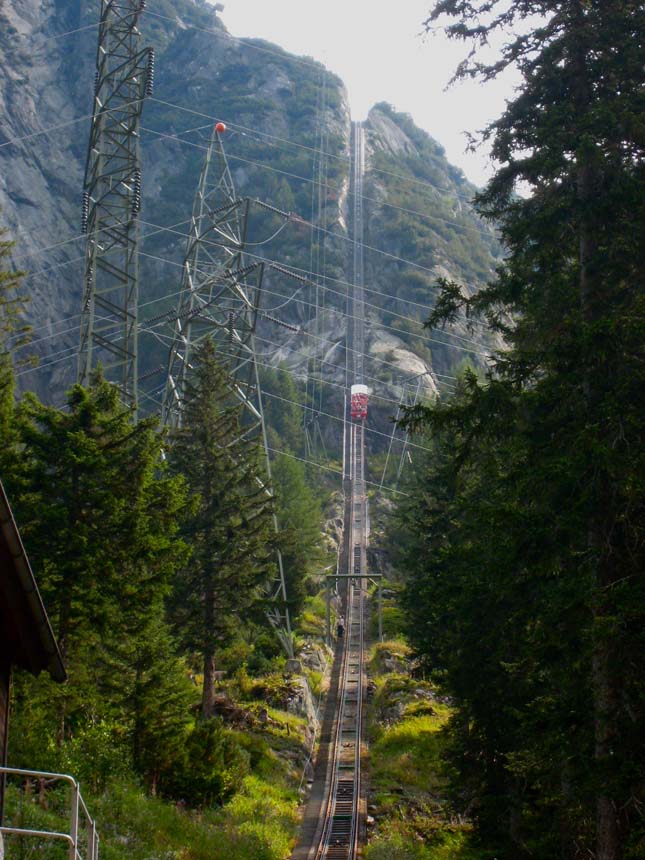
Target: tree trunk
{"points": [[208, 694]]}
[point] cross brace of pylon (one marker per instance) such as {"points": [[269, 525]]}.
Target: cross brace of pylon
{"points": [[220, 299], [112, 198]]}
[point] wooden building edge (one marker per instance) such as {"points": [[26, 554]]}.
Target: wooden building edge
{"points": [[27, 640]]}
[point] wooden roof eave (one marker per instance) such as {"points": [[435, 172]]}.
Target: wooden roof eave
{"points": [[49, 656]]}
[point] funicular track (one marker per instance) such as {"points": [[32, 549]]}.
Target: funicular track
{"points": [[343, 814], [334, 824], [334, 821]]}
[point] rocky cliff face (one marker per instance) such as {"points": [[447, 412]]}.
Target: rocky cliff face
{"points": [[288, 143]]}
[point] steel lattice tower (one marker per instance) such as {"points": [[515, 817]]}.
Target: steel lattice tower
{"points": [[219, 295], [112, 198], [220, 299]]}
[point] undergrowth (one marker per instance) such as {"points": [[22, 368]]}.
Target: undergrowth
{"points": [[259, 821], [408, 803]]}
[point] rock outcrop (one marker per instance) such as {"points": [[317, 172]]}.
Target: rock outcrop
{"points": [[288, 143]]}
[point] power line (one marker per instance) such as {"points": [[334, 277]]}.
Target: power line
{"points": [[78, 259], [64, 242], [299, 270], [349, 316], [35, 34], [335, 471], [145, 327], [302, 406], [66, 352], [224, 34], [52, 128], [303, 459], [342, 295], [371, 430], [283, 55], [246, 131], [167, 339], [322, 229], [300, 178], [160, 229], [331, 364], [33, 341], [162, 338]]}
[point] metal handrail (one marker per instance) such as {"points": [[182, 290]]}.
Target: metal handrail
{"points": [[77, 806]]}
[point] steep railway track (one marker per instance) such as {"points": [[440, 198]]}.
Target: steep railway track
{"points": [[334, 822], [343, 813]]}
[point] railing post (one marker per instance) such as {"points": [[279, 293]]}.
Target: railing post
{"points": [[90, 839], [380, 609], [73, 831]]}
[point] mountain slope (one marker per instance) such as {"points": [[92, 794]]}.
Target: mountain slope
{"points": [[288, 143]]}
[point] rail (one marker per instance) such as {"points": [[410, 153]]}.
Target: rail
{"points": [[334, 825], [82, 838], [340, 834]]}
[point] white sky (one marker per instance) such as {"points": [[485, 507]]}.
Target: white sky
{"points": [[380, 53]]}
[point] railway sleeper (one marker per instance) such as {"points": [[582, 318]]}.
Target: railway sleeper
{"points": [[341, 826], [336, 852]]}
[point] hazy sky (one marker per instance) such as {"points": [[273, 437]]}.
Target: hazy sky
{"points": [[379, 51]]}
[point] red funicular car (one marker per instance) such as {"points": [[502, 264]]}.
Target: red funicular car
{"points": [[358, 407]]}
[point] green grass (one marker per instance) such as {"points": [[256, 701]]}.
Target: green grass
{"points": [[315, 680], [408, 777], [312, 619], [407, 754], [260, 821], [392, 648], [403, 843]]}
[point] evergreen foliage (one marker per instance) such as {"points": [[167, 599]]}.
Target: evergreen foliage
{"points": [[300, 522], [297, 505], [526, 529], [100, 522], [229, 525]]}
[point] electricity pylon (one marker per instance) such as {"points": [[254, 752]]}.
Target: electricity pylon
{"points": [[220, 299], [112, 198]]}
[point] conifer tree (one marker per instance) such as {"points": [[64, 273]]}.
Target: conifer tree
{"points": [[282, 411], [230, 522], [542, 590], [100, 522], [299, 519], [298, 509]]}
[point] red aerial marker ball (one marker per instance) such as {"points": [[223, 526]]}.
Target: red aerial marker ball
{"points": [[220, 128]]}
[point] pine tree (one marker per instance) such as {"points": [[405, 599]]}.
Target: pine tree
{"points": [[298, 509], [546, 544], [283, 414], [100, 521], [300, 524], [230, 523]]}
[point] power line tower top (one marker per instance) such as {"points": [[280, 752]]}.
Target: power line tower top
{"points": [[112, 198], [216, 298], [220, 299]]}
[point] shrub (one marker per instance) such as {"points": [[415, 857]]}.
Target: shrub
{"points": [[212, 767]]}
